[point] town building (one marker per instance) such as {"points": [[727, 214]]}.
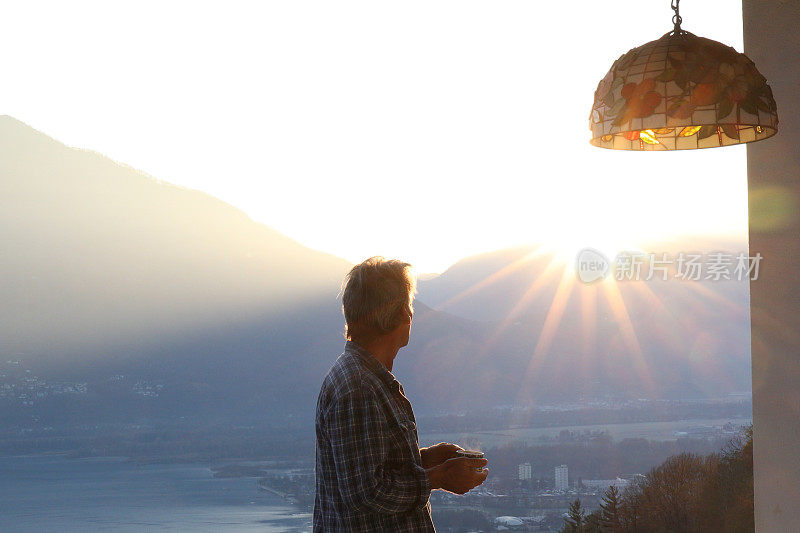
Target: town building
{"points": [[562, 478], [602, 485]]}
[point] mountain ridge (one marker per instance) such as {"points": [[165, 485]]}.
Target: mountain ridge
{"points": [[159, 302], [72, 214]]}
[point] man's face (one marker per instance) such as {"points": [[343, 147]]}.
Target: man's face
{"points": [[406, 327]]}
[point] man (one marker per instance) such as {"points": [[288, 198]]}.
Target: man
{"points": [[371, 473]]}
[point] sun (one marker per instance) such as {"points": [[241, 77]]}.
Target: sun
{"points": [[567, 245]]}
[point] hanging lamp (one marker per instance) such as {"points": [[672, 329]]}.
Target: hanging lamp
{"points": [[682, 92]]}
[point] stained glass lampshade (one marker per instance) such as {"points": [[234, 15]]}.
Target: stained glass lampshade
{"points": [[682, 92]]}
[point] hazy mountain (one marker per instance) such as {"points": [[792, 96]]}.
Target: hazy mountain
{"points": [[96, 251], [553, 336], [164, 301], [127, 299]]}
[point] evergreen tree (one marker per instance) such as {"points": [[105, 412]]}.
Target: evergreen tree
{"points": [[610, 510], [577, 518], [591, 523]]}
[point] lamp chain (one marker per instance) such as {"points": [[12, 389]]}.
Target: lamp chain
{"points": [[676, 18]]}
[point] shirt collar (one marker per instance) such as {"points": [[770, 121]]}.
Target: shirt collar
{"points": [[372, 364]]}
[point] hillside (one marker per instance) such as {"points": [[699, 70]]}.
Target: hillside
{"points": [[151, 300], [552, 336], [96, 252], [127, 299]]}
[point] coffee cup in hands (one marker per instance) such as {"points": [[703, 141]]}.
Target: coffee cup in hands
{"points": [[471, 454]]}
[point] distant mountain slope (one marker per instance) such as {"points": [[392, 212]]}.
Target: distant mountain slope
{"points": [[487, 286], [164, 301], [96, 251], [129, 299], [561, 338]]}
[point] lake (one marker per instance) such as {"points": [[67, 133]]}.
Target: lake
{"points": [[55, 493]]}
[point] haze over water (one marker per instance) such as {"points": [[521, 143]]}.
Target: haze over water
{"points": [[54, 493]]}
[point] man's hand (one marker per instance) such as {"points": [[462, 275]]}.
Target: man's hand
{"points": [[458, 475], [438, 453]]}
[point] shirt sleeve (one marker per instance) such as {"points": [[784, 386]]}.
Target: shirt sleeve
{"points": [[368, 478]]}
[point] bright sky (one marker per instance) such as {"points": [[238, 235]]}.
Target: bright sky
{"points": [[424, 130]]}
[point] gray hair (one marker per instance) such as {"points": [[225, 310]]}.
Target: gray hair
{"points": [[377, 296]]}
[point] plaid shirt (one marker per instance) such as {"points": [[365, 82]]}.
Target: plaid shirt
{"points": [[369, 470]]}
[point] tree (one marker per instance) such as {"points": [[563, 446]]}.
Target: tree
{"points": [[630, 512], [669, 500], [592, 523], [576, 518], [687, 493], [609, 519], [727, 497]]}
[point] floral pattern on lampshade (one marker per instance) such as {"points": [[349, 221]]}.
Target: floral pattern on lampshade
{"points": [[682, 92]]}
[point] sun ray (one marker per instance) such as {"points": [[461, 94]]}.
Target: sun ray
{"points": [[533, 290], [654, 300], [588, 318], [549, 329], [617, 304], [535, 287], [717, 297], [495, 277], [502, 326], [588, 295]]}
